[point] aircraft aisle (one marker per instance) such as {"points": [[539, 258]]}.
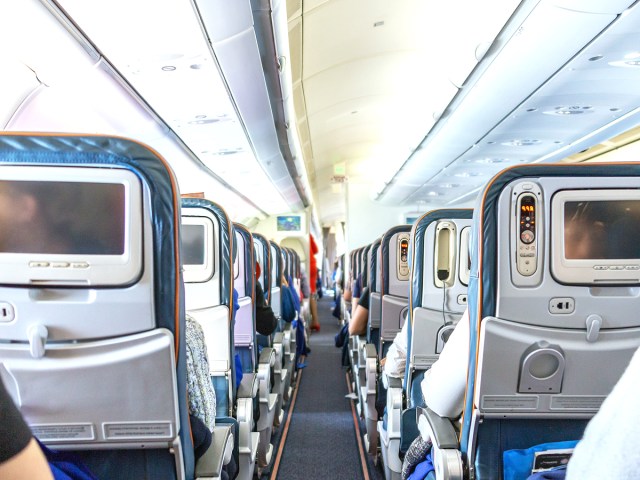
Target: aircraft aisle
{"points": [[321, 440]]}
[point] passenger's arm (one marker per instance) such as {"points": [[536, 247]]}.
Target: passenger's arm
{"points": [[445, 382], [359, 321], [20, 455], [28, 464]]}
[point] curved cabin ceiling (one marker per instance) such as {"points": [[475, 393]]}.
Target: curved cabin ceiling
{"points": [[418, 101], [427, 100]]}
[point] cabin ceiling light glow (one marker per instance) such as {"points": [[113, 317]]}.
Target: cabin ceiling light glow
{"points": [[570, 110], [521, 142]]}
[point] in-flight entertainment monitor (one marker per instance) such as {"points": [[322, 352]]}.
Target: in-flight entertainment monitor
{"points": [[197, 249], [289, 223], [70, 226], [595, 236]]}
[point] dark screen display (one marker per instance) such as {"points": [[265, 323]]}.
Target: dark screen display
{"points": [[602, 230], [71, 218], [193, 244]]}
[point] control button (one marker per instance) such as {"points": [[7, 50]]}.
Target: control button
{"points": [[528, 219], [600, 267], [79, 265], [527, 236], [616, 267], [527, 186], [60, 264], [38, 264], [632, 267]]}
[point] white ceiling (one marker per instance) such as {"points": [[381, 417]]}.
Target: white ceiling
{"points": [[451, 92]]}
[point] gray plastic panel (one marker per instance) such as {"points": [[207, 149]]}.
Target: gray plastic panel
{"points": [[590, 370], [375, 310], [69, 413], [215, 322], [83, 314], [205, 294], [398, 284], [275, 304], [530, 304], [393, 316], [427, 326], [432, 296]]}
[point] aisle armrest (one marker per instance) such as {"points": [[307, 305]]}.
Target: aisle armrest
{"points": [[443, 434], [221, 449], [446, 455], [249, 386]]}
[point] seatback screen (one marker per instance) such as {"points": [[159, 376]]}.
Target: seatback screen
{"points": [[193, 237], [69, 218], [602, 230]]}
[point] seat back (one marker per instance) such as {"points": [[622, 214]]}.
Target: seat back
{"points": [[375, 294], [276, 278], [438, 289], [553, 315], [262, 250], [245, 325], [95, 303], [364, 265], [209, 296], [395, 284]]}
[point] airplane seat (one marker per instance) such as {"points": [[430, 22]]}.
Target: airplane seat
{"points": [[438, 290], [439, 246], [359, 341], [551, 313], [95, 306], [395, 270], [208, 264], [246, 346], [266, 359], [281, 377]]}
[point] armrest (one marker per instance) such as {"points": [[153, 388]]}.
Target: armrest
{"points": [[210, 464], [370, 350], [249, 386], [394, 382], [268, 355], [278, 337], [447, 458], [440, 429]]}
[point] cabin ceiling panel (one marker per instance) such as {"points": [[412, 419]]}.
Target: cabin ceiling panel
{"points": [[168, 60], [486, 126]]}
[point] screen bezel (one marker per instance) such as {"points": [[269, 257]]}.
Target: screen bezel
{"points": [[586, 271], [102, 270], [202, 272]]}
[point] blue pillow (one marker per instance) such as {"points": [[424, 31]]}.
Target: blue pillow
{"points": [[518, 463]]}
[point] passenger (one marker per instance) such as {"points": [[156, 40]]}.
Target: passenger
{"points": [[20, 455], [443, 389], [609, 447], [313, 276], [201, 394], [360, 316], [394, 363], [266, 321]]}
